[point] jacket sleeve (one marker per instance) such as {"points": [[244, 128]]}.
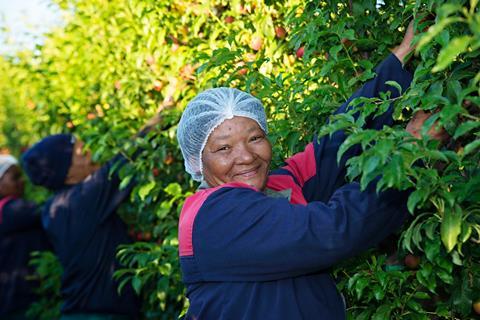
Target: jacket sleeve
{"points": [[96, 198], [316, 169], [19, 215], [242, 235]]}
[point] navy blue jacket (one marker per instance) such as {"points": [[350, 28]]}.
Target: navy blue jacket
{"points": [[247, 254], [83, 226], [20, 234]]}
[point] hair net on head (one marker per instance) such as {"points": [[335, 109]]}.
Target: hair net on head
{"points": [[206, 112], [6, 161]]}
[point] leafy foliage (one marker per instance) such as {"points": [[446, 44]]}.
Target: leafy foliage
{"points": [[47, 269], [115, 63]]}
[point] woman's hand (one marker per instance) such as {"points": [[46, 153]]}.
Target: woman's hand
{"points": [[415, 125], [405, 48]]}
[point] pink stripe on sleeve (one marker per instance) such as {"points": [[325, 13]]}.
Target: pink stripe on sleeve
{"points": [[303, 165], [3, 202], [189, 211]]}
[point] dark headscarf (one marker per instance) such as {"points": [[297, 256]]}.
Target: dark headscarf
{"points": [[47, 162]]}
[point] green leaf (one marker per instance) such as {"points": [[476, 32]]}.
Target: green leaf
{"points": [[174, 189], [434, 31], [451, 227], [465, 127], [360, 285], [145, 190], [383, 312], [472, 146], [414, 198], [395, 85], [137, 284], [125, 182], [451, 51]]}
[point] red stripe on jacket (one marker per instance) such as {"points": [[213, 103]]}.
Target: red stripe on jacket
{"points": [[303, 165], [3, 202], [189, 211]]}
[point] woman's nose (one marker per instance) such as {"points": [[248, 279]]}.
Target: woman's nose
{"points": [[245, 155]]}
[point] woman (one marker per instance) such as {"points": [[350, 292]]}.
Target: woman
{"points": [[256, 244], [20, 234]]}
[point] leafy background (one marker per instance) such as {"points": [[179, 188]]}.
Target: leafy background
{"points": [[114, 64]]}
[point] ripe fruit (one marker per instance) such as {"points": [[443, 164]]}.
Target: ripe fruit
{"points": [[168, 159], [150, 60], [280, 32], [91, 116], [250, 57], [139, 236], [412, 261], [476, 307], [467, 103], [300, 52], [229, 19], [155, 172], [30, 105], [242, 71], [157, 85], [187, 72], [118, 85], [256, 43], [147, 236], [346, 42]]}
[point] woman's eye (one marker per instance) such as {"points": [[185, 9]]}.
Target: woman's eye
{"points": [[256, 138], [223, 148]]}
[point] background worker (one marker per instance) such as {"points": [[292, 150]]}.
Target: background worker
{"points": [[83, 226], [21, 233]]}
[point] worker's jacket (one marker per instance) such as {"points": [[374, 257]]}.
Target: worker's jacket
{"points": [[248, 254]]}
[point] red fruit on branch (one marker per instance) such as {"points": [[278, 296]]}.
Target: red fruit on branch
{"points": [[150, 60], [280, 32], [155, 172], [300, 52], [229, 19], [157, 85], [476, 307], [169, 159], [91, 116], [346, 42], [147, 236], [256, 43], [411, 261]]}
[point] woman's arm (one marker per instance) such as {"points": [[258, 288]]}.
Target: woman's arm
{"points": [[240, 234]]}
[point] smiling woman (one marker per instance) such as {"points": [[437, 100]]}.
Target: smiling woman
{"points": [[256, 244]]}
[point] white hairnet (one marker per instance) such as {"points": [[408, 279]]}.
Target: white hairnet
{"points": [[6, 161], [206, 112]]}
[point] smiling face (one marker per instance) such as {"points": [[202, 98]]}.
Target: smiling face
{"points": [[11, 183], [237, 151]]}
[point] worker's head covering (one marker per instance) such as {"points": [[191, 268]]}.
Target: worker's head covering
{"points": [[47, 162], [6, 161], [206, 112]]}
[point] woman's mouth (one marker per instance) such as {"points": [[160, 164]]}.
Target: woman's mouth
{"points": [[248, 173]]}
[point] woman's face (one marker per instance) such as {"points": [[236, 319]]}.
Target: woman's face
{"points": [[11, 183], [237, 151]]}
